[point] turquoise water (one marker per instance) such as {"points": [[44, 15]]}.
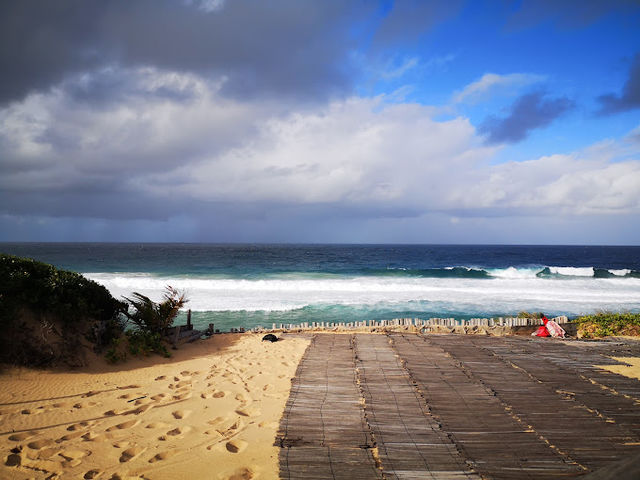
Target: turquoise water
{"points": [[250, 285]]}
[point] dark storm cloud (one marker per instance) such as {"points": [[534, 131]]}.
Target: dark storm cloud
{"points": [[284, 48], [567, 14], [630, 97], [529, 112]]}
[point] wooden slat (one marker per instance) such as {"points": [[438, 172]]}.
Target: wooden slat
{"points": [[497, 444], [453, 407], [580, 432], [323, 432], [410, 442], [569, 370]]}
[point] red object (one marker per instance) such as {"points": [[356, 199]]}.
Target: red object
{"points": [[542, 331]]}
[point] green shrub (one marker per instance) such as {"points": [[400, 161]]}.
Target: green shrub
{"points": [[41, 287], [146, 343], [604, 324], [115, 353], [32, 291], [152, 317], [531, 315]]}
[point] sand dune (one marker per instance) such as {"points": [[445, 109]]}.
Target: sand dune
{"points": [[211, 411]]}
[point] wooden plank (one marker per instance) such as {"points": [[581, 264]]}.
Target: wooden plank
{"points": [[580, 432], [323, 432], [569, 369], [495, 442], [409, 440]]}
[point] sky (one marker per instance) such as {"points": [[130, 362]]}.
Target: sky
{"points": [[333, 121]]}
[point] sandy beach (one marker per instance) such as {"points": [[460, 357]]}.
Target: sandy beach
{"points": [[211, 411], [218, 408]]}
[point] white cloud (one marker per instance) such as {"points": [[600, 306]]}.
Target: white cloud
{"points": [[175, 139], [490, 81], [355, 152]]}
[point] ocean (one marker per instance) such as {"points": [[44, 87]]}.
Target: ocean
{"points": [[250, 285]]}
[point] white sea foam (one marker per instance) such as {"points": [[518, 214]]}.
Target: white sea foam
{"points": [[621, 272], [513, 272], [515, 289], [572, 271]]}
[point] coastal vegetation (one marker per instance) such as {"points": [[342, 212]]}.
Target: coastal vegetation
{"points": [[51, 316], [151, 322], [602, 324], [530, 315], [48, 315]]}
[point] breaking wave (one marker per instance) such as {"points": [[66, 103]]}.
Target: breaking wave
{"points": [[497, 290]]}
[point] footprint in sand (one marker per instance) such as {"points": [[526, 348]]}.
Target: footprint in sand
{"points": [[90, 393], [131, 453], [183, 396], [158, 425], [77, 426], [158, 397], [69, 436], [236, 445], [161, 377], [217, 421], [213, 394], [128, 386], [232, 429], [39, 444], [91, 437], [178, 432], [180, 414], [91, 474], [268, 424], [163, 456], [73, 457], [15, 457], [248, 412], [114, 412], [126, 396], [19, 437], [47, 453], [139, 410], [123, 426], [121, 444], [242, 474]]}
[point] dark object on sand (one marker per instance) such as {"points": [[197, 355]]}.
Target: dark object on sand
{"points": [[270, 337]]}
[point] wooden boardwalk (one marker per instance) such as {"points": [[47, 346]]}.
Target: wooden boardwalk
{"points": [[401, 406]]}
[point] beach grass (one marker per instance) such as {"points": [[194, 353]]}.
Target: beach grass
{"points": [[604, 324]]}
